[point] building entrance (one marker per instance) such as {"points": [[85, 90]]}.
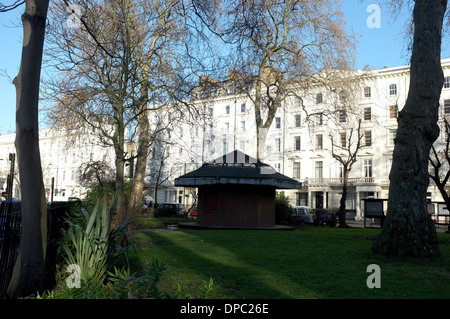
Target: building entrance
{"points": [[319, 200]]}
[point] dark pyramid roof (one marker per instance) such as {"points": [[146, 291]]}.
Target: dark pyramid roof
{"points": [[237, 168]]}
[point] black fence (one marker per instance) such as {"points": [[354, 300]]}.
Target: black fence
{"points": [[10, 223], [10, 228]]}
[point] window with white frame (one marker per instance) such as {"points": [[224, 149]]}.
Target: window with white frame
{"points": [[343, 139], [227, 109], [367, 113], [210, 149], [225, 146], [393, 111], [368, 168], [367, 92], [447, 82], [242, 146], [278, 122], [318, 119], [243, 108], [392, 89], [446, 106], [226, 128], [242, 126], [278, 144], [296, 172], [342, 116], [298, 120], [343, 96], [302, 199], [318, 169], [388, 165], [368, 137], [297, 143], [319, 141], [319, 98], [391, 136]]}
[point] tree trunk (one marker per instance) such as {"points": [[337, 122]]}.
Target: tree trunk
{"points": [[342, 208], [119, 146], [408, 229], [261, 133], [28, 273], [137, 189]]}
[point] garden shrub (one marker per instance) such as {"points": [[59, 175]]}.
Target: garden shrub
{"points": [[283, 209]]}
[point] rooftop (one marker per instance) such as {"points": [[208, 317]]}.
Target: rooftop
{"points": [[237, 168]]}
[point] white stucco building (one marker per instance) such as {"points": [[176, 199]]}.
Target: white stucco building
{"points": [[298, 143], [62, 156]]}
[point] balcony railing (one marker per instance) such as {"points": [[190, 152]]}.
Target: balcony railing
{"points": [[340, 181]]}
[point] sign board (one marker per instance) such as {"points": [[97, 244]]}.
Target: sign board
{"points": [[430, 207], [373, 208], [442, 209]]}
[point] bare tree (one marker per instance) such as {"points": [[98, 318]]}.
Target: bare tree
{"points": [[161, 173], [139, 63], [346, 153], [282, 48], [92, 173], [94, 85], [439, 160]]}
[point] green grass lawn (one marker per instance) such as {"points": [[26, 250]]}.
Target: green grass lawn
{"points": [[143, 222], [310, 262]]}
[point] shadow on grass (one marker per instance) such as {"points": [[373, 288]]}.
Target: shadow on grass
{"points": [[308, 263], [233, 266]]}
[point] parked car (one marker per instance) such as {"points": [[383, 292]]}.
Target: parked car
{"points": [[303, 215], [168, 210], [192, 212], [324, 216]]}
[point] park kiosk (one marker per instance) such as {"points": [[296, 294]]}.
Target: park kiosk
{"points": [[236, 191]]}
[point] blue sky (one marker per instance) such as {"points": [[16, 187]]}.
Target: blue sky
{"points": [[378, 47]]}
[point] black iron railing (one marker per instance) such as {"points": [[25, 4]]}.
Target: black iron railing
{"points": [[10, 224]]}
